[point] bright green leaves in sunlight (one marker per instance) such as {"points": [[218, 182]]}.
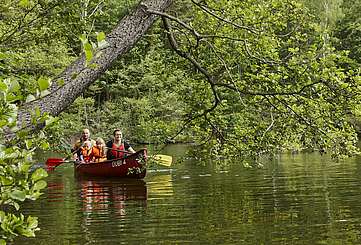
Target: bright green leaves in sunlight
{"points": [[38, 39], [18, 195], [12, 225], [38, 175], [88, 48], [17, 182], [92, 49], [43, 83], [25, 3], [102, 43]]}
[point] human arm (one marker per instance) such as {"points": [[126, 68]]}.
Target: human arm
{"points": [[128, 147], [75, 150]]}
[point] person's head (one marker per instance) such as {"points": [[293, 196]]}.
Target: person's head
{"points": [[100, 142], [118, 135], [87, 143], [85, 135]]}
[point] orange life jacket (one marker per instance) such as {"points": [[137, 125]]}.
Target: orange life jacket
{"points": [[97, 154], [78, 147], [86, 152], [117, 151]]}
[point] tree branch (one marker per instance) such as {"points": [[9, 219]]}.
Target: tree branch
{"points": [[208, 11], [77, 76], [187, 56]]}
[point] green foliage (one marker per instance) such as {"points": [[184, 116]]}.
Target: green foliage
{"points": [[281, 85], [271, 82], [17, 182], [328, 12], [32, 50], [348, 30], [138, 95]]}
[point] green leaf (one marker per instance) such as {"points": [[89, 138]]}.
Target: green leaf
{"points": [[18, 195], [26, 232], [93, 66], [83, 39], [12, 98], [88, 46], [45, 145], [24, 3], [100, 36], [3, 86], [32, 222], [3, 122], [30, 98], [102, 44], [2, 242], [43, 83], [50, 120], [60, 82], [37, 112], [88, 55], [28, 143], [3, 56], [88, 51], [41, 184], [24, 167], [14, 86], [44, 93], [2, 216], [38, 174]]}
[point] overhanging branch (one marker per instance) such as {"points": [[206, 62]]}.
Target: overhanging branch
{"points": [[77, 76]]}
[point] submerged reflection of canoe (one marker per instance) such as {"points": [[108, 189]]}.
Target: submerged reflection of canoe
{"points": [[131, 166], [111, 194]]}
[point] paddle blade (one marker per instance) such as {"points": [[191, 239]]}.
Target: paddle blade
{"points": [[52, 163], [163, 159]]}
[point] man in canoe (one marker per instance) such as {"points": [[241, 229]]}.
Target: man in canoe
{"points": [[116, 148], [85, 136]]}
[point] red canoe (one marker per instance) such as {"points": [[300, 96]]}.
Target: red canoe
{"points": [[131, 166]]}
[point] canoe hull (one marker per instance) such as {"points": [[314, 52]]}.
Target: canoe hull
{"points": [[132, 166]]}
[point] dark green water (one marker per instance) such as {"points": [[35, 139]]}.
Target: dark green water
{"points": [[300, 199]]}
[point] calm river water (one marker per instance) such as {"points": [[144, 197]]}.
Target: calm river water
{"points": [[297, 199]]}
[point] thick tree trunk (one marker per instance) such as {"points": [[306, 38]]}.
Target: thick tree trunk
{"points": [[77, 77]]}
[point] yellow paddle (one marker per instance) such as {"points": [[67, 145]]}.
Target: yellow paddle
{"points": [[163, 159]]}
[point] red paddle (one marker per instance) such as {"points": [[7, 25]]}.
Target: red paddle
{"points": [[52, 163]]}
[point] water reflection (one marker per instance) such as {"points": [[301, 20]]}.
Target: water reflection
{"points": [[110, 196], [301, 199], [160, 185], [55, 191]]}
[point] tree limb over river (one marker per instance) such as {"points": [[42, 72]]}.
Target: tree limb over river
{"points": [[77, 77], [258, 78]]}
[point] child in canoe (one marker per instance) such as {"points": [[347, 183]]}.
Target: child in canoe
{"points": [[98, 153]]}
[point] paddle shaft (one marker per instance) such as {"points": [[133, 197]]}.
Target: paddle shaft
{"points": [[161, 159]]}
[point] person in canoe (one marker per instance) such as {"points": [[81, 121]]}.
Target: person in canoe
{"points": [[117, 148], [98, 153], [86, 151], [85, 136]]}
